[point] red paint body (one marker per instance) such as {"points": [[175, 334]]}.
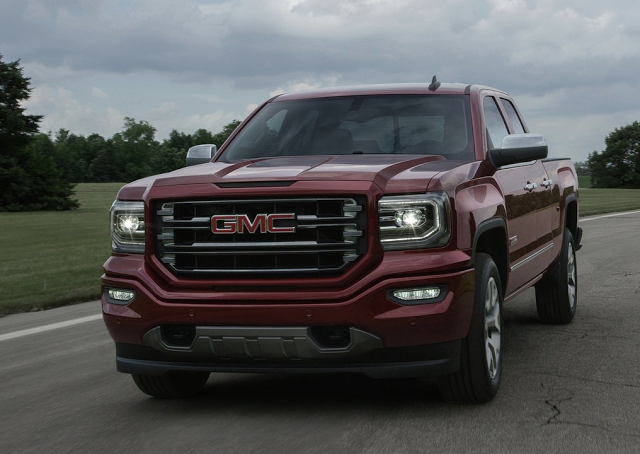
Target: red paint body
{"points": [[483, 200]]}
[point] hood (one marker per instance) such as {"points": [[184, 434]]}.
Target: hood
{"points": [[392, 173]]}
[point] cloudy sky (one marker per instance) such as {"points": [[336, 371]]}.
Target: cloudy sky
{"points": [[572, 66]]}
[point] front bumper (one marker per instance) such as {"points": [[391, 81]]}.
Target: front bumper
{"points": [[277, 330], [424, 361]]}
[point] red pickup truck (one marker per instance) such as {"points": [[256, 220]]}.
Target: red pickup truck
{"points": [[371, 229]]}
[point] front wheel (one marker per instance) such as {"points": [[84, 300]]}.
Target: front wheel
{"points": [[557, 291], [480, 372], [171, 385]]}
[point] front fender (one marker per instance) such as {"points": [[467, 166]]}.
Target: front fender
{"points": [[475, 205]]}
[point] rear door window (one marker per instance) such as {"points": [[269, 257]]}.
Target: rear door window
{"points": [[516, 123]]}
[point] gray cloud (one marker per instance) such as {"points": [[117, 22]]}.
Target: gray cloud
{"points": [[254, 41], [575, 58]]}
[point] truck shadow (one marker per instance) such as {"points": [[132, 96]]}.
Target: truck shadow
{"points": [[285, 393], [281, 392]]}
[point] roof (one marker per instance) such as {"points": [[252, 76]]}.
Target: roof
{"points": [[381, 89]]}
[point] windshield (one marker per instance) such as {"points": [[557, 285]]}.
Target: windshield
{"points": [[403, 124]]}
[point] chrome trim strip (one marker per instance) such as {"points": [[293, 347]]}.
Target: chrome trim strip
{"points": [[531, 257]]}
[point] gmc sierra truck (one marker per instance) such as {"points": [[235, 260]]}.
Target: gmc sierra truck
{"points": [[370, 229]]}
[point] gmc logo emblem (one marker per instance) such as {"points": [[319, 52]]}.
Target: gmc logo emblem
{"points": [[228, 224]]}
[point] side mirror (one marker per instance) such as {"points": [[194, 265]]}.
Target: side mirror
{"points": [[200, 154], [518, 148]]}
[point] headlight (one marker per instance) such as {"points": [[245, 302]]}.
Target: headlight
{"points": [[414, 221], [127, 227]]}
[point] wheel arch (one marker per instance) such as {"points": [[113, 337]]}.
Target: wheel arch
{"points": [[571, 214], [491, 238]]}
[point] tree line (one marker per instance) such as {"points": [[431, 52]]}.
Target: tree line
{"points": [[618, 165], [129, 155]]}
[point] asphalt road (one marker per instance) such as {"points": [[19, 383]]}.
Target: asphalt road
{"points": [[573, 388]]}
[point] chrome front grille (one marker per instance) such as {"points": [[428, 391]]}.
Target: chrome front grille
{"points": [[297, 237]]}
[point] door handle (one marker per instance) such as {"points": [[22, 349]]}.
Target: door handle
{"points": [[530, 186]]}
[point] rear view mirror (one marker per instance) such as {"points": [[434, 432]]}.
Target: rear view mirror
{"points": [[200, 154], [518, 148]]}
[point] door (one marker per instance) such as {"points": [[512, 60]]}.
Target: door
{"points": [[526, 200]]}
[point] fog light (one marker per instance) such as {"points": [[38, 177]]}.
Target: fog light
{"points": [[423, 295], [120, 296]]}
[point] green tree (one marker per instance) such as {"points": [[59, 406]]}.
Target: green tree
{"points": [[103, 168], [72, 156], [166, 159], [133, 149], [179, 140], [46, 189], [201, 137], [29, 177], [94, 145], [618, 166]]}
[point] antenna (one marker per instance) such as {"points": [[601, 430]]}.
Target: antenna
{"points": [[435, 83]]}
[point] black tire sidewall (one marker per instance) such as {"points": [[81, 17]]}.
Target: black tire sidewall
{"points": [[552, 298], [566, 309], [485, 387]]}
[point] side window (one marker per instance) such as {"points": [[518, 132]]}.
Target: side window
{"points": [[496, 127], [513, 116]]}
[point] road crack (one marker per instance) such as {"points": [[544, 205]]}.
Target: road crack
{"points": [[556, 409], [555, 405]]}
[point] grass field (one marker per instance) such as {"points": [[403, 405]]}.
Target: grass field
{"points": [[55, 258], [584, 181], [600, 201]]}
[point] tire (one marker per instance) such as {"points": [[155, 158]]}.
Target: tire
{"points": [[478, 379], [171, 385], [557, 291]]}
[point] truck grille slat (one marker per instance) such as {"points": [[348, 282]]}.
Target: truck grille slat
{"points": [[257, 248], [244, 238]]}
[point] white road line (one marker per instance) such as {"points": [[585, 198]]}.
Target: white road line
{"points": [[51, 327], [609, 216]]}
